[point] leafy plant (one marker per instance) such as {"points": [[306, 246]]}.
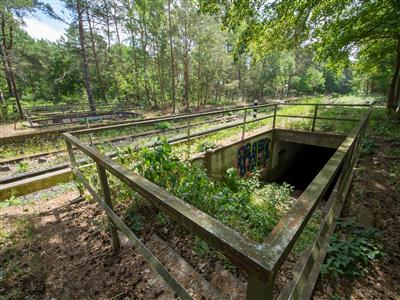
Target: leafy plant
{"points": [[12, 201], [163, 126], [133, 219], [368, 146], [201, 247], [22, 166], [244, 204], [351, 250], [206, 146], [161, 219]]}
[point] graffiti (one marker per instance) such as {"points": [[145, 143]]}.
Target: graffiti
{"points": [[253, 156]]}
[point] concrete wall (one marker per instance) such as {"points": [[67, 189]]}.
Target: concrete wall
{"points": [[284, 154], [245, 156], [271, 152]]}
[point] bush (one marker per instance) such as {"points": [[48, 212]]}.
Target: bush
{"points": [[368, 146], [163, 126], [206, 146], [351, 250], [246, 205]]}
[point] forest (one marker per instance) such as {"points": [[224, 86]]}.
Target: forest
{"points": [[200, 149], [188, 54]]}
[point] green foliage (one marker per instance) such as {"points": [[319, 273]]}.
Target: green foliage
{"points": [[357, 34], [244, 204], [138, 69], [206, 146], [22, 166], [368, 146], [163, 125], [201, 247], [161, 219], [351, 250], [133, 219], [383, 125], [12, 201]]}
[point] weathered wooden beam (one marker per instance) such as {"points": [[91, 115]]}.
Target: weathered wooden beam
{"points": [[242, 250]]}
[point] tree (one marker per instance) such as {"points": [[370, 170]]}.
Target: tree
{"points": [[171, 49], [336, 29], [85, 65]]}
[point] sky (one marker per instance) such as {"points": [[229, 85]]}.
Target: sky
{"points": [[41, 26]]}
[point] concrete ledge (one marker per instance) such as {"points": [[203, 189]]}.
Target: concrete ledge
{"points": [[327, 140], [33, 184]]}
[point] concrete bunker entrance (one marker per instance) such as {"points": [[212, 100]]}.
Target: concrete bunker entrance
{"points": [[280, 155], [304, 165]]}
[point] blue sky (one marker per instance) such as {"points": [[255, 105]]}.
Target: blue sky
{"points": [[41, 26]]}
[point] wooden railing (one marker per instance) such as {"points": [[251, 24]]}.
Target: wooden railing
{"points": [[261, 260]]}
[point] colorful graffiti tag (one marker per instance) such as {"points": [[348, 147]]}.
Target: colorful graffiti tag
{"points": [[253, 156]]}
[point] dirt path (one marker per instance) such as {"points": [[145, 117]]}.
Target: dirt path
{"points": [[59, 250], [374, 200]]}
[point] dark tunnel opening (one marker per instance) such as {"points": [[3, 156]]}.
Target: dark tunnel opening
{"points": [[305, 166]]}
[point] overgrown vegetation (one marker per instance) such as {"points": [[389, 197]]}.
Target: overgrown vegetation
{"points": [[247, 205], [351, 250]]}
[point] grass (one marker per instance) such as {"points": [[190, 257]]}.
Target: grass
{"points": [[32, 146]]}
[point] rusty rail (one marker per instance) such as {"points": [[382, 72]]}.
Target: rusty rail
{"points": [[261, 260]]}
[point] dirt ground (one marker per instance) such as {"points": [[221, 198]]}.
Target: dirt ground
{"points": [[374, 201]]}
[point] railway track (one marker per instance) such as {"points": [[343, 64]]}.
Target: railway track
{"points": [[45, 174], [112, 140]]}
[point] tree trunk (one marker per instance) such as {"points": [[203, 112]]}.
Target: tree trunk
{"points": [[161, 79], [96, 58], [172, 59], [6, 73], [239, 78], [116, 24], [397, 96], [8, 64], [85, 65], [186, 68], [199, 78], [154, 86], [107, 25], [391, 101], [144, 43]]}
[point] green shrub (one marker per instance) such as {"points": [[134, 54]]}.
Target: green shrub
{"points": [[368, 146], [244, 204], [351, 250], [201, 247], [22, 166], [206, 146], [133, 219], [163, 125]]}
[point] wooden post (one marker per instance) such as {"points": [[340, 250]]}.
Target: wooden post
{"points": [[258, 289], [314, 118], [274, 121], [188, 129], [90, 135], [244, 123], [107, 198], [188, 138], [71, 153]]}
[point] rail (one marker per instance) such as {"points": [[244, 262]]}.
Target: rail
{"points": [[260, 260]]}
